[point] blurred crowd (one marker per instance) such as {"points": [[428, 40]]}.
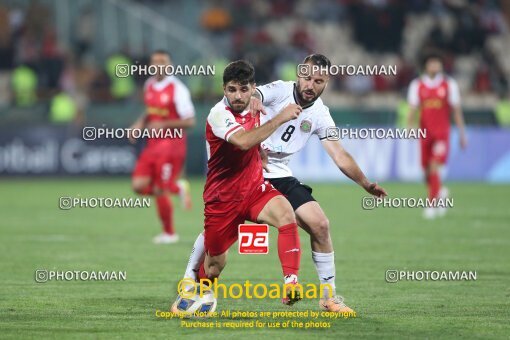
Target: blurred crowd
{"points": [[377, 26], [274, 35]]}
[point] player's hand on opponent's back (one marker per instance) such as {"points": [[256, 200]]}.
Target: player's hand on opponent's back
{"points": [[256, 105], [290, 112], [376, 190], [264, 158]]}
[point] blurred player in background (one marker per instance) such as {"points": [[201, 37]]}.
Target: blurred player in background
{"points": [[435, 96], [235, 190], [159, 166], [288, 139]]}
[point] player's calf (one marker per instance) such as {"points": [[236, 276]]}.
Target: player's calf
{"points": [[278, 212], [320, 234]]}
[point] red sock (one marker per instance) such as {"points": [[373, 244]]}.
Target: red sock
{"points": [[289, 249], [165, 211], [201, 271], [434, 183]]}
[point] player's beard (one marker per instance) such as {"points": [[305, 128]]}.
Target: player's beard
{"points": [[302, 99], [238, 106]]}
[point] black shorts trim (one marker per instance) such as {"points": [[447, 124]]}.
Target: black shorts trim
{"points": [[296, 192]]}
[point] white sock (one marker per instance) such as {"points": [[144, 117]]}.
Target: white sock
{"points": [[290, 279], [195, 258], [325, 266]]}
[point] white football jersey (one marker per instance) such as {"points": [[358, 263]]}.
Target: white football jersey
{"points": [[293, 135]]}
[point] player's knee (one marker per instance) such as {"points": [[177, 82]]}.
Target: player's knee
{"points": [[320, 229], [433, 167], [163, 192], [138, 187], [286, 216]]}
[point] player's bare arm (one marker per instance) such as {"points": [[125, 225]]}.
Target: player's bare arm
{"points": [[138, 124], [458, 118], [245, 140], [411, 116], [350, 168]]}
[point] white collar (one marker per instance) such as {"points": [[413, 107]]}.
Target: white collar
{"points": [[160, 85], [432, 82]]}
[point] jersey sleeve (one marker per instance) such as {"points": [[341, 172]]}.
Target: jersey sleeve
{"points": [[413, 98], [223, 124], [273, 92], [325, 125], [183, 103], [453, 92]]}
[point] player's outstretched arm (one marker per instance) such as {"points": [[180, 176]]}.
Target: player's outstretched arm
{"points": [[245, 140], [350, 168]]}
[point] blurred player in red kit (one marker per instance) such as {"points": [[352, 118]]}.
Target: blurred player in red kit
{"points": [[435, 96], [169, 110], [235, 190]]}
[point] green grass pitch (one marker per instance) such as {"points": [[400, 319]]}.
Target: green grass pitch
{"points": [[36, 234]]}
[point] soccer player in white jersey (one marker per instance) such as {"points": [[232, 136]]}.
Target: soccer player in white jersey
{"points": [[288, 139]]}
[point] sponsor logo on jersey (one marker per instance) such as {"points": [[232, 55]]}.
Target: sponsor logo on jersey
{"points": [[306, 126], [153, 110], [432, 103]]}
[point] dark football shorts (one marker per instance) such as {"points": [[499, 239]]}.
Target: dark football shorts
{"points": [[296, 192]]}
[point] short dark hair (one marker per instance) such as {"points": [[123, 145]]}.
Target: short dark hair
{"points": [[431, 55], [161, 51], [240, 71], [317, 59]]}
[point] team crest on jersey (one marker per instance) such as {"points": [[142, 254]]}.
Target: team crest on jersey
{"points": [[228, 122], [306, 126], [441, 92]]}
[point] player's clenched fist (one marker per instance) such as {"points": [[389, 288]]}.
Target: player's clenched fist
{"points": [[290, 112]]}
